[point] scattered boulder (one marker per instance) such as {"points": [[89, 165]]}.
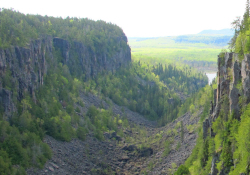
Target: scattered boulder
{"points": [[129, 148], [51, 169], [113, 134], [118, 138], [107, 135], [54, 165], [127, 132], [145, 152], [124, 158]]}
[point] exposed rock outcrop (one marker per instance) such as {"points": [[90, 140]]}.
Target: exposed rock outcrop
{"points": [[245, 70], [214, 170], [63, 46], [130, 148], [224, 66], [28, 66], [8, 105], [206, 125], [229, 75], [145, 152], [233, 92]]}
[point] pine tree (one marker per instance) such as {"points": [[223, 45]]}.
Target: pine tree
{"points": [[245, 24]]}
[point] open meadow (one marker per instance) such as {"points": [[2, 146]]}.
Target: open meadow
{"points": [[194, 50]]}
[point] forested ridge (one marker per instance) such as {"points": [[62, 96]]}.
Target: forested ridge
{"points": [[41, 90], [18, 29]]}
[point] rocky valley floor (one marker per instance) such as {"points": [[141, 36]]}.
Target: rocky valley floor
{"points": [[144, 149]]}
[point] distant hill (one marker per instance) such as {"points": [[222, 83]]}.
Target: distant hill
{"points": [[227, 32], [210, 37], [206, 38], [217, 40], [141, 38]]}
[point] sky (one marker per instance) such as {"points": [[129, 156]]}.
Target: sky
{"points": [[142, 18]]}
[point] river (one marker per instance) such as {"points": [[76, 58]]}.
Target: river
{"points": [[211, 76]]}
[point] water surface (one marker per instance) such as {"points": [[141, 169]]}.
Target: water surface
{"points": [[211, 76]]}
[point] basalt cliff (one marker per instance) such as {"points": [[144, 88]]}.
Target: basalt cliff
{"points": [[230, 100], [27, 66]]}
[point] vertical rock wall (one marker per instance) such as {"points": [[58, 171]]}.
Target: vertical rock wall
{"points": [[231, 73], [29, 65], [234, 91], [245, 71], [82, 58]]}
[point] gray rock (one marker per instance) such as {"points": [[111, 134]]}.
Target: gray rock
{"points": [[234, 102], [214, 171], [223, 81], [113, 135], [129, 148], [236, 73], [54, 165], [51, 169], [228, 59], [212, 107], [29, 65], [215, 95], [6, 99], [64, 47], [107, 135], [234, 93], [205, 128], [124, 158], [118, 138], [145, 152], [245, 71]]}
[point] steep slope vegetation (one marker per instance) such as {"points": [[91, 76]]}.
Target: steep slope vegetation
{"points": [[154, 92], [223, 146]]}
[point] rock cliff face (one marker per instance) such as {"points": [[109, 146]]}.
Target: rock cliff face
{"points": [[233, 85], [229, 77], [233, 82], [27, 66], [245, 70]]}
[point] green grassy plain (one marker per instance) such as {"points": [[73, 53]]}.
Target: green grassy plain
{"points": [[165, 50], [169, 42]]}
